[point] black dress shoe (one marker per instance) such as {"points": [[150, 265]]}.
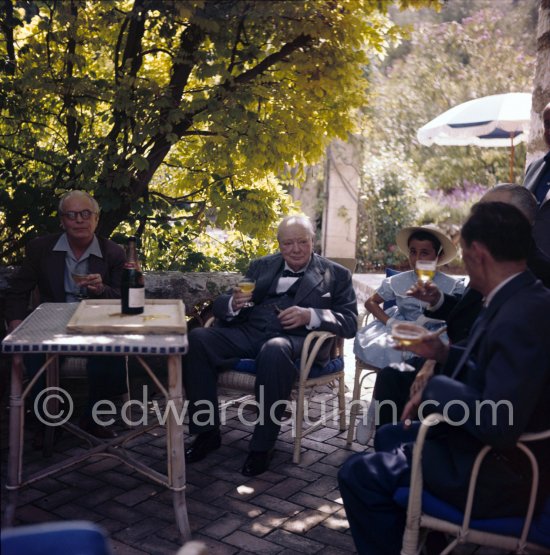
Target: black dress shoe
{"points": [[257, 462], [101, 432], [204, 443]]}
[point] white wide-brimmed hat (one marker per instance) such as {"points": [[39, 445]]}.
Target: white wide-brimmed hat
{"points": [[449, 249]]}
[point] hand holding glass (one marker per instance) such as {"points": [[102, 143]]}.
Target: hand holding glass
{"points": [[80, 279], [425, 270], [406, 334], [247, 285]]}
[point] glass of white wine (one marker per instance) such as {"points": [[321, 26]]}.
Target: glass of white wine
{"points": [[406, 334], [79, 279], [247, 285], [425, 270]]}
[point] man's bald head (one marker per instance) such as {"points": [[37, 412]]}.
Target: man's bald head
{"points": [[516, 195]]}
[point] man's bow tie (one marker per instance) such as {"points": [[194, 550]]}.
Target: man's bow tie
{"points": [[289, 273]]}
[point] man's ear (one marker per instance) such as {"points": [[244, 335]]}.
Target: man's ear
{"points": [[479, 251]]}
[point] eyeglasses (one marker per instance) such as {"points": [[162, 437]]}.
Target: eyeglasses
{"points": [[73, 214]]}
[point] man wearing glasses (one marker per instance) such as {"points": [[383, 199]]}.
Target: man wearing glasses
{"points": [[52, 266]]}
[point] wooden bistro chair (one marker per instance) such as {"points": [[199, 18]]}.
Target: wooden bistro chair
{"points": [[527, 533]]}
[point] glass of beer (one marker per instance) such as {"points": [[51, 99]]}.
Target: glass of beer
{"points": [[425, 270], [405, 334], [247, 285]]}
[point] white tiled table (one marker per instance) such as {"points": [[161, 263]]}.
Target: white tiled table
{"points": [[44, 331]]}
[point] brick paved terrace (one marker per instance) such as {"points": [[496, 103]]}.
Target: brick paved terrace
{"points": [[289, 509]]}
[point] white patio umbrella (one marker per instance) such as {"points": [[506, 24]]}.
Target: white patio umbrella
{"points": [[499, 120]]}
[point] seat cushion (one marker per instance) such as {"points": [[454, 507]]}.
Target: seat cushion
{"points": [[69, 538], [539, 532], [248, 365]]}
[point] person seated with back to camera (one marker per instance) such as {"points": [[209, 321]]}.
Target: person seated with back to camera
{"points": [[418, 243], [505, 360]]}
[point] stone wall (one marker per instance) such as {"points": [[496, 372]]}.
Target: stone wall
{"points": [[195, 289]]}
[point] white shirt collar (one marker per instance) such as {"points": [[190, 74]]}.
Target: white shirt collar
{"points": [[63, 246], [487, 300], [287, 267]]}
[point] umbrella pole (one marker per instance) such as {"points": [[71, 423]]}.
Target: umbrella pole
{"points": [[511, 158]]}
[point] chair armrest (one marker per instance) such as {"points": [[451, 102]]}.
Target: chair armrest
{"points": [[313, 343], [414, 505], [209, 322], [362, 318], [534, 436]]}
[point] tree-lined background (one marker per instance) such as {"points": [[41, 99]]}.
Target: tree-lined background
{"points": [[470, 49], [190, 121]]}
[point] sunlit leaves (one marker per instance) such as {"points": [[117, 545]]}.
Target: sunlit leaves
{"points": [[185, 104], [465, 53]]}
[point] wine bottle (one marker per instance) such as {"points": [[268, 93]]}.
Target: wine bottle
{"points": [[132, 286]]}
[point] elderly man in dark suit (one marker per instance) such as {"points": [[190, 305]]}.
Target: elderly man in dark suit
{"points": [[296, 291], [506, 361], [48, 269], [537, 175], [537, 180]]}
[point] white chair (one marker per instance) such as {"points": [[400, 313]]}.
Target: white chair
{"points": [[244, 382], [527, 534], [362, 373]]}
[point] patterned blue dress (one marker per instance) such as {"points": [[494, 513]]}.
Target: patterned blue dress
{"points": [[371, 342]]}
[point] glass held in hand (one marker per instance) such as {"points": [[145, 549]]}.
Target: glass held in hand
{"points": [[80, 279], [247, 285], [405, 334], [425, 270]]}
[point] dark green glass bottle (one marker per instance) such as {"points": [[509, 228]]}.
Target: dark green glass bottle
{"points": [[132, 287]]}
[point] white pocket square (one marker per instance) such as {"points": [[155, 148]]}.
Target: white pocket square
{"points": [[326, 295]]}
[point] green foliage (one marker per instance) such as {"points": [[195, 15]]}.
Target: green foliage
{"points": [[473, 48], [388, 201], [485, 52], [177, 114]]}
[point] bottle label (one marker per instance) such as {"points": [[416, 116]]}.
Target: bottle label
{"points": [[136, 297]]}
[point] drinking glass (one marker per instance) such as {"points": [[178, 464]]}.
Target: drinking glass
{"points": [[247, 285], [79, 279], [425, 270], [405, 334]]}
